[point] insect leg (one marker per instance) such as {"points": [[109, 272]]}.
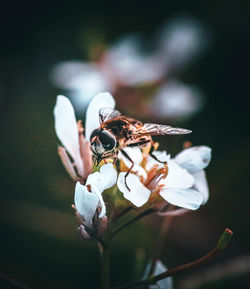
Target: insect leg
{"points": [[128, 172], [115, 160], [152, 155], [138, 143]]}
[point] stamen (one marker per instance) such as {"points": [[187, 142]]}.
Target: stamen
{"points": [[187, 144], [151, 175], [89, 187], [155, 175]]}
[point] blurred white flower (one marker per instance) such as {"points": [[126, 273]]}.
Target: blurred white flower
{"points": [[122, 64], [166, 283], [175, 100], [82, 80], [126, 64], [70, 133], [180, 41], [129, 65], [174, 184]]}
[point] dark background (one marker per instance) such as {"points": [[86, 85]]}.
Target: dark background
{"points": [[39, 245]]}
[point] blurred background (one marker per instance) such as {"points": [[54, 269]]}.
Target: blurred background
{"points": [[181, 63]]}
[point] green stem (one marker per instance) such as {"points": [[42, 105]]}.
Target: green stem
{"points": [[159, 243], [134, 219], [122, 213], [105, 266]]}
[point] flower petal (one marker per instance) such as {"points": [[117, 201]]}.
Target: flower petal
{"points": [[95, 181], [177, 177], [101, 100], [67, 130], [136, 155], [201, 185], [104, 179], [138, 194], [161, 156], [185, 198], [108, 175], [100, 181], [194, 159], [86, 203], [96, 191], [166, 283]]}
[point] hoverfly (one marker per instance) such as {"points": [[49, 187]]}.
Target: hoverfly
{"points": [[117, 131]]}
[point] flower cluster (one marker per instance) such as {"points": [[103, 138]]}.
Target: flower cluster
{"points": [[127, 65], [181, 183], [179, 180]]}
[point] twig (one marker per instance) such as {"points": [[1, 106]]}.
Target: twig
{"points": [[122, 213], [131, 221], [222, 243], [226, 269]]}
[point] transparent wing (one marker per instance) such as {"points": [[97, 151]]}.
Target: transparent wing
{"points": [[158, 129], [107, 113]]}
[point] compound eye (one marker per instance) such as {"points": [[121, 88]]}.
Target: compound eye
{"points": [[107, 140], [94, 133]]}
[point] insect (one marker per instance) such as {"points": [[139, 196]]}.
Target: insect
{"points": [[117, 131]]}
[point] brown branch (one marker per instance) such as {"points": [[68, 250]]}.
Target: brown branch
{"points": [[222, 243], [187, 266]]}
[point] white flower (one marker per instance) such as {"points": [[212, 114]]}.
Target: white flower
{"points": [[88, 197], [195, 160], [166, 283], [176, 188], [70, 133]]}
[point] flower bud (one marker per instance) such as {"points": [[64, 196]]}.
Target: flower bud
{"points": [[102, 226]]}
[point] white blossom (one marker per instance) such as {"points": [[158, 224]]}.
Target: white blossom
{"points": [[70, 133], [184, 185], [89, 196], [195, 160]]}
